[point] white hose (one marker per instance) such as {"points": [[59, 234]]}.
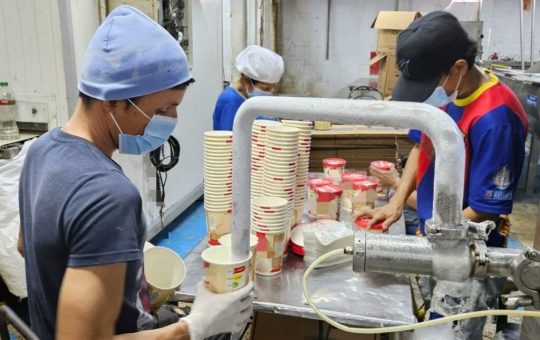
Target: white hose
{"points": [[403, 328]]}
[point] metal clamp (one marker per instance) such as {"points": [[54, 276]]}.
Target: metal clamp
{"points": [[358, 251], [479, 231], [467, 231], [526, 274], [480, 251], [437, 233], [515, 300]]}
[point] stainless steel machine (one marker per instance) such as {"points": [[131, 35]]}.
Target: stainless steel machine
{"points": [[455, 250]]}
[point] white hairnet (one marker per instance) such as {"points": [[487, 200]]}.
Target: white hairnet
{"points": [[260, 64]]}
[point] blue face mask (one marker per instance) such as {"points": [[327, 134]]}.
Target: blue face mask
{"points": [[439, 98], [256, 92], [156, 133]]}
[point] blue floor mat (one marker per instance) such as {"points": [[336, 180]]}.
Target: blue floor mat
{"points": [[185, 232]]}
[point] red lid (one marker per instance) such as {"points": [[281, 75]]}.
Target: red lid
{"points": [[298, 250], [334, 162], [364, 185], [312, 183], [327, 193], [350, 177], [363, 221], [382, 165]]}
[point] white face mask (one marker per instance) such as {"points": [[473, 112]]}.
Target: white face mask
{"points": [[257, 92], [439, 98]]}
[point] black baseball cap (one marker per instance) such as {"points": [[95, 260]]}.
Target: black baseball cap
{"points": [[425, 51]]}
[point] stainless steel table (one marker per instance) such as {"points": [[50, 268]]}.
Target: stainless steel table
{"points": [[369, 299]]}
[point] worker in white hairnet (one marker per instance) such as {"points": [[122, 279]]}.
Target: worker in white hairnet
{"points": [[261, 69], [82, 219]]}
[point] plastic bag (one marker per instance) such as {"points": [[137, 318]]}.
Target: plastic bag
{"points": [[323, 236], [12, 268]]}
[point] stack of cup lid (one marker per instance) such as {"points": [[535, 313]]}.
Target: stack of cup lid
{"points": [[302, 169], [258, 144], [281, 159], [217, 183], [270, 223], [334, 168]]}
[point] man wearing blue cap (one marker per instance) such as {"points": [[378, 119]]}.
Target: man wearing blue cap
{"points": [[82, 220], [436, 59]]}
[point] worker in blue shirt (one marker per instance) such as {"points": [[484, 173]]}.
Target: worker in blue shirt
{"points": [[437, 63], [260, 70]]}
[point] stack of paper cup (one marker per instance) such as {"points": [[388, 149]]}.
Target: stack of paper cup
{"points": [[270, 223], [258, 143], [302, 168], [281, 159], [217, 183]]}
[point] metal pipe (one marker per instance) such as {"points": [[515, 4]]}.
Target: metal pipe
{"points": [[500, 261], [536, 243], [328, 18], [398, 254], [444, 134], [521, 34], [533, 17]]}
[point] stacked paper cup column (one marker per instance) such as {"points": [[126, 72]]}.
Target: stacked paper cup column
{"points": [[281, 156], [217, 183], [258, 143], [269, 217], [302, 169]]}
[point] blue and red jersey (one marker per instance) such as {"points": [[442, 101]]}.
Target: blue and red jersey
{"points": [[494, 128]]}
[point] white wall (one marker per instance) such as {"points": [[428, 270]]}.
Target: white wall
{"points": [[303, 44], [31, 56], [303, 39]]}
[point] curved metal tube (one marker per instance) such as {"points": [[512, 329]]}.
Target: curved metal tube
{"points": [[444, 134]]}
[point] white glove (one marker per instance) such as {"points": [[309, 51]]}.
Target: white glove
{"points": [[213, 314]]}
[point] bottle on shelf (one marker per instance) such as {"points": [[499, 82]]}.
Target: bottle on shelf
{"points": [[8, 113]]}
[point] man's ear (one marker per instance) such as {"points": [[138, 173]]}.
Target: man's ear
{"points": [[462, 67]]}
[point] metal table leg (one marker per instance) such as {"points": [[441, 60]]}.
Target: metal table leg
{"points": [[534, 155]]}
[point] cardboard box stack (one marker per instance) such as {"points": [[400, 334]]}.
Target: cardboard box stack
{"points": [[389, 24]]}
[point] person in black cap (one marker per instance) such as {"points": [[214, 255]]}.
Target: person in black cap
{"points": [[436, 60]]}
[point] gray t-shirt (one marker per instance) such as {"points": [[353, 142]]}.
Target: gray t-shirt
{"points": [[78, 209]]}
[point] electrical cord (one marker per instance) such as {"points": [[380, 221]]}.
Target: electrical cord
{"points": [[164, 163], [404, 328]]}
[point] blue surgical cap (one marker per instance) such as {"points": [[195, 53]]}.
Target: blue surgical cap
{"points": [[130, 55]]}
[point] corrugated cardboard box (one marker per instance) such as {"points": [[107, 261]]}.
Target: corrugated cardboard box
{"points": [[389, 24]]}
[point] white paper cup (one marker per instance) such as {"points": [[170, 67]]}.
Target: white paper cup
{"points": [[218, 134], [268, 203], [282, 130], [265, 123], [253, 240], [269, 254], [164, 271], [218, 207], [221, 273]]}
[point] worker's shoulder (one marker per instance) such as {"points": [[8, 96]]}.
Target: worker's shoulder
{"points": [[230, 94], [110, 183]]}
